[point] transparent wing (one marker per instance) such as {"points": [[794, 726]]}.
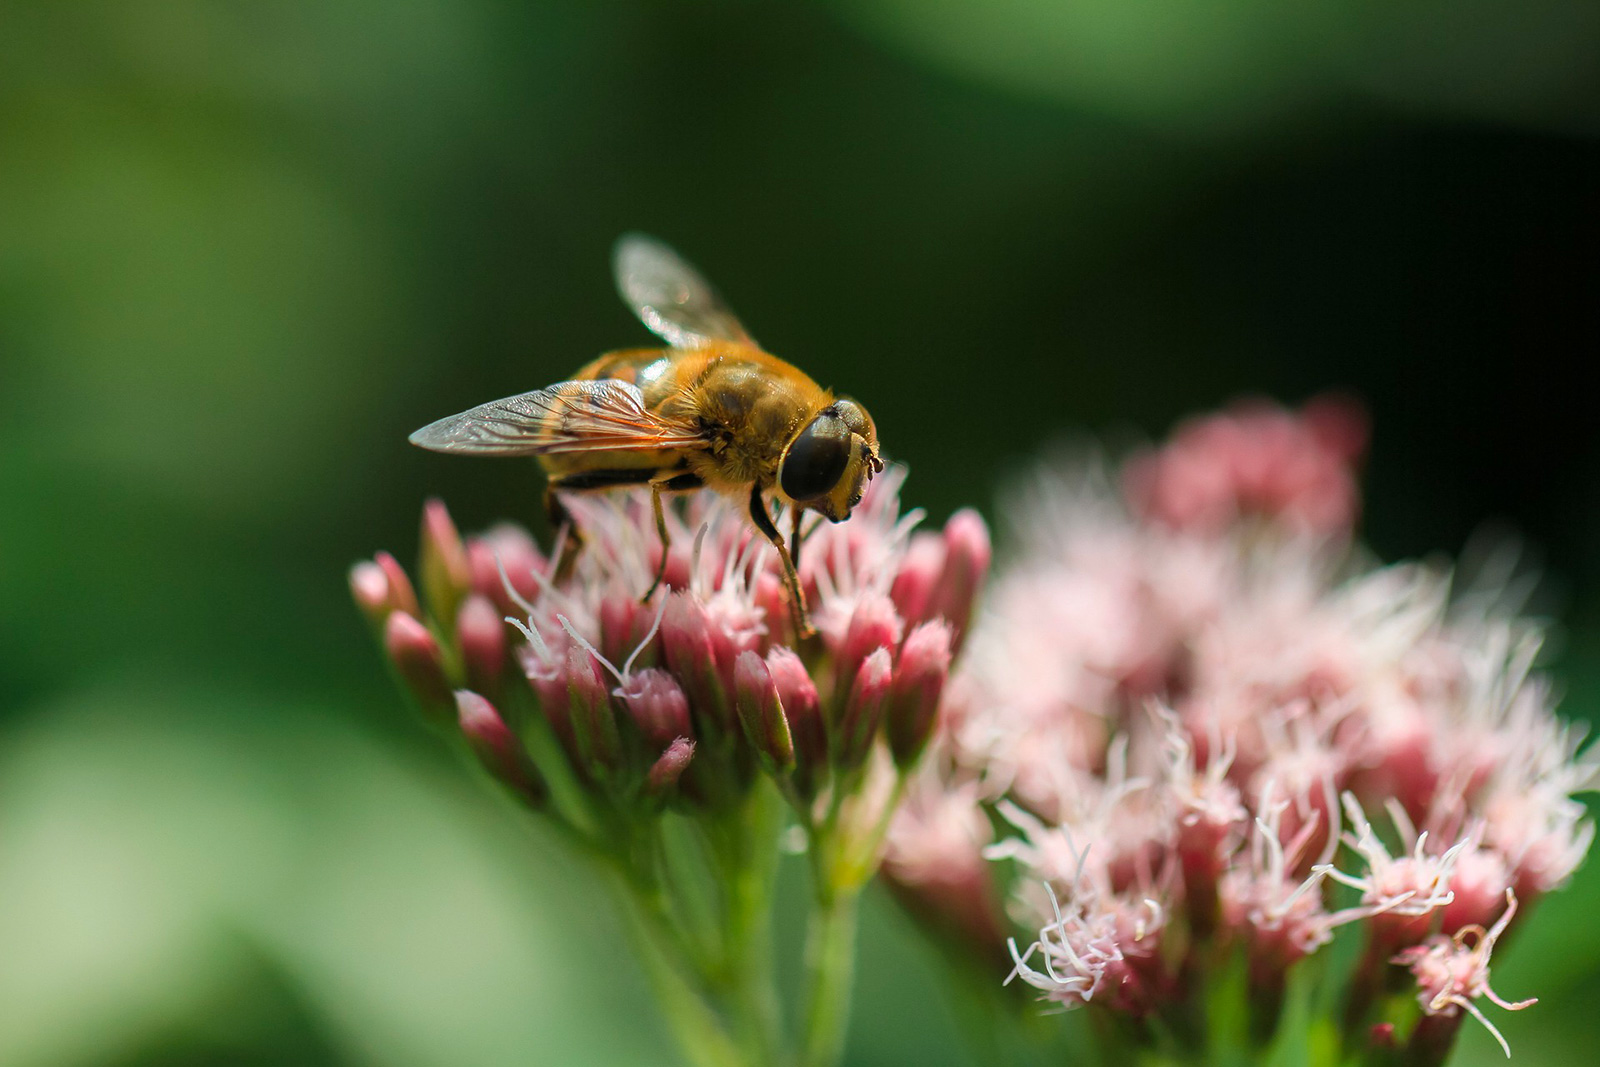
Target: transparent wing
{"points": [[582, 416], [670, 297]]}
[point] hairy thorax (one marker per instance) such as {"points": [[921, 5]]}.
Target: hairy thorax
{"points": [[749, 415]]}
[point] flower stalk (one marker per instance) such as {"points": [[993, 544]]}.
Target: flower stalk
{"points": [[830, 970]]}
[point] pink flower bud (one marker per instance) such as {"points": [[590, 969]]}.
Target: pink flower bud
{"points": [[968, 553], [1397, 755], [369, 586], [446, 575], [769, 595], [481, 634], [1478, 889], [874, 625], [594, 723], [802, 709], [687, 648], [657, 705], [549, 682], [402, 597], [508, 548], [496, 746], [623, 624], [667, 769], [915, 690], [761, 713], [918, 578], [735, 627], [416, 658], [864, 709], [679, 556]]}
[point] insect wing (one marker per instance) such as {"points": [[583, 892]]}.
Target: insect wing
{"points": [[670, 297], [582, 416]]}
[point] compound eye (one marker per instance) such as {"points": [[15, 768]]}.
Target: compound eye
{"points": [[855, 416], [815, 459]]}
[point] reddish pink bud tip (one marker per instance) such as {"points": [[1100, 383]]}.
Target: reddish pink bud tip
{"points": [[594, 723], [505, 554], [482, 725], [416, 658], [657, 705], [623, 623], [864, 708], [496, 747], [752, 679], [968, 553], [769, 595], [761, 713], [446, 574], [802, 708], [481, 633], [402, 597], [916, 688], [667, 769], [369, 586], [549, 682], [686, 645], [874, 625], [966, 536], [918, 578]]}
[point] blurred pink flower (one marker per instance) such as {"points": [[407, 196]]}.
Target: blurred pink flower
{"points": [[1186, 699], [1257, 459], [934, 861]]}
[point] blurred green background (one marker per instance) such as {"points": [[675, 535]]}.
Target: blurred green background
{"points": [[246, 247]]}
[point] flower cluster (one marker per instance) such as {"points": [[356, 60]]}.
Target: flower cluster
{"points": [[627, 719], [1207, 729], [680, 699]]}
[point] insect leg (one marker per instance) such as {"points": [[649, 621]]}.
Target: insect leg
{"points": [[794, 538], [661, 531], [561, 519], [594, 481], [559, 516], [797, 599], [666, 483]]}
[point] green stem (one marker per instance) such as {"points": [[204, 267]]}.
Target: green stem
{"points": [[747, 861], [648, 880], [700, 1033], [830, 967], [844, 851], [753, 1002]]}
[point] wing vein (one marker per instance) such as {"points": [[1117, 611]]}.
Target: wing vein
{"points": [[575, 416]]}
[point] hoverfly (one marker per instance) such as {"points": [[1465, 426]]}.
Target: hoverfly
{"points": [[712, 411]]}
